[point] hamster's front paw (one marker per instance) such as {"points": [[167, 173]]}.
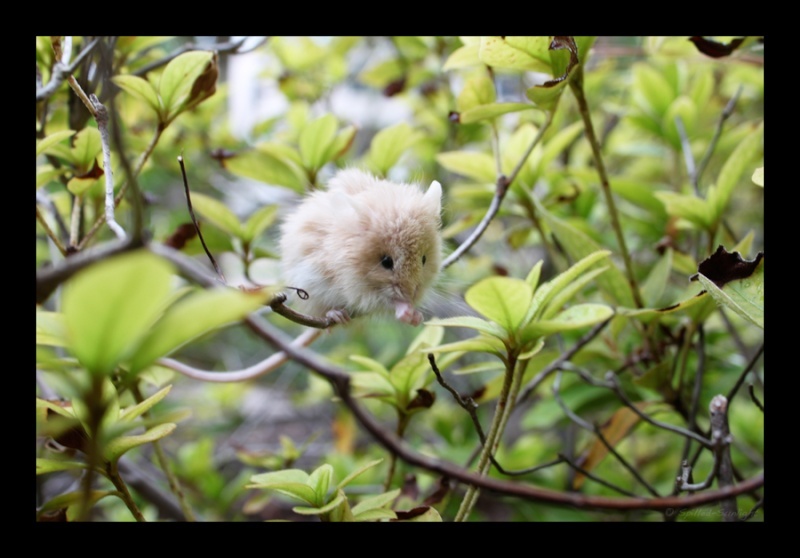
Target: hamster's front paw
{"points": [[408, 314], [340, 316]]}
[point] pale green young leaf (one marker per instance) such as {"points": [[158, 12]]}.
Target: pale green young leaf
{"points": [[375, 502], [516, 53], [565, 293], [374, 385], [463, 56], [270, 166], [258, 222], [656, 281], [651, 90], [118, 446], [108, 307], [371, 364], [503, 300], [321, 509], [430, 336], [377, 514], [481, 344], [320, 481], [555, 145], [477, 91], [46, 174], [65, 412], [389, 144], [472, 322], [353, 475], [44, 466], [79, 186], [489, 111], [738, 162], [194, 316], [548, 291], [56, 137], [51, 328], [579, 245], [216, 213], [688, 207], [758, 176], [315, 141], [532, 278], [574, 317], [141, 89], [428, 516], [382, 73], [472, 164], [684, 108], [71, 499], [341, 143], [546, 97], [139, 409], [179, 77], [85, 149]]}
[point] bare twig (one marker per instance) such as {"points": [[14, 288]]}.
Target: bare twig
{"points": [[631, 469], [230, 47], [754, 398], [501, 189], [101, 116], [758, 505], [688, 158], [340, 382], [194, 219], [721, 436], [62, 72], [556, 364], [726, 113], [595, 478], [744, 373], [259, 369], [51, 235], [611, 378]]}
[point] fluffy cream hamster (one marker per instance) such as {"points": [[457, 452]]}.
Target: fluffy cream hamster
{"points": [[362, 246]]}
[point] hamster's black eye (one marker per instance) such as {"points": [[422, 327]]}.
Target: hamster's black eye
{"points": [[387, 262], [424, 259]]}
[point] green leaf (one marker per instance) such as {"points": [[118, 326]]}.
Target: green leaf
{"points": [[51, 328], [342, 142], [565, 293], [389, 144], [473, 164], [217, 213], [551, 290], [652, 90], [653, 287], [193, 316], [471, 322], [463, 57], [516, 53], [118, 446], [269, 164], [319, 510], [110, 306], [141, 89], [477, 91], [481, 344], [374, 384], [85, 149], [485, 112], [430, 336], [258, 222], [429, 516], [371, 364], [352, 476], [52, 139], [574, 317], [377, 514], [684, 108], [139, 409], [320, 481], [44, 466], [546, 97], [301, 492], [503, 300], [740, 160], [375, 502], [758, 176], [579, 245], [315, 141], [178, 79], [743, 296], [74, 498], [688, 207]]}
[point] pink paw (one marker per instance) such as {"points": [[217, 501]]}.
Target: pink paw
{"points": [[408, 314], [340, 316]]}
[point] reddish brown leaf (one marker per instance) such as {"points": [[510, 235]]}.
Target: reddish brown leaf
{"points": [[412, 513], [423, 400], [395, 87], [715, 49], [441, 491], [184, 233], [723, 266]]}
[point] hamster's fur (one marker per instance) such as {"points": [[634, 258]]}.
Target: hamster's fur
{"points": [[363, 246]]}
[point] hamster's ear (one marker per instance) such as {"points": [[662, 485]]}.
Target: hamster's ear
{"points": [[343, 201], [433, 196]]}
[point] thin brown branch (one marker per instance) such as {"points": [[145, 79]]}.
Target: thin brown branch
{"points": [[62, 72], [230, 47], [726, 113], [194, 220], [745, 372], [753, 397], [595, 478], [51, 235], [340, 381], [101, 116]]}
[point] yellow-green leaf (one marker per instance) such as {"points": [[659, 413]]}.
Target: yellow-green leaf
{"points": [[473, 164], [178, 80], [485, 112], [141, 89], [216, 213], [258, 222], [118, 446], [315, 141], [389, 144], [504, 300], [52, 139]]}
